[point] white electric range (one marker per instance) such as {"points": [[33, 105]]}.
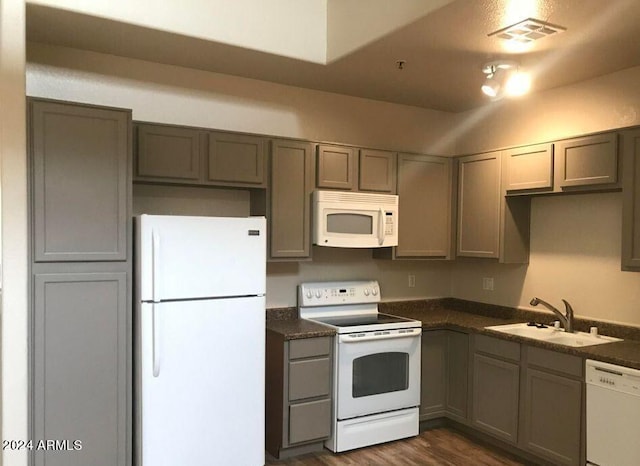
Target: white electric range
{"points": [[376, 363]]}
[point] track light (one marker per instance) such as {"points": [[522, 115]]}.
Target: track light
{"points": [[504, 79]]}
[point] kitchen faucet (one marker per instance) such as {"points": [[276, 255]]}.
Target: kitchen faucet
{"points": [[565, 319]]}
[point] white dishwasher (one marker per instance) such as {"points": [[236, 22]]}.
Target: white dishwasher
{"points": [[613, 414]]}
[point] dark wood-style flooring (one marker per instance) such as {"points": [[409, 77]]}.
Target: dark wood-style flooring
{"points": [[441, 446]]}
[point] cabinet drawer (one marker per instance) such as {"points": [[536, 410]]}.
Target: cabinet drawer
{"points": [[309, 421], [309, 347], [559, 362], [309, 378], [495, 346]]}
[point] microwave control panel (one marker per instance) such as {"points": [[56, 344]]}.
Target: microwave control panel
{"points": [[333, 293], [388, 223]]}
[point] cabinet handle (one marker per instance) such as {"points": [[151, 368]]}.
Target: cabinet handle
{"points": [[155, 354]]}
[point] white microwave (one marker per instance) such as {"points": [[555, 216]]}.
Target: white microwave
{"points": [[355, 220]]}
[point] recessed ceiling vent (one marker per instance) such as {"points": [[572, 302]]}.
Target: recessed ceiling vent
{"points": [[528, 30]]}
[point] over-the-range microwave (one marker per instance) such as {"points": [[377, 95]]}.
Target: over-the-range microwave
{"points": [[355, 220]]}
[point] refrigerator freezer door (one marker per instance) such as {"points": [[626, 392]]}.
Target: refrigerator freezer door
{"points": [[206, 404], [199, 257]]}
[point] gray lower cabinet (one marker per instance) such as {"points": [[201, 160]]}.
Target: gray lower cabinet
{"points": [[169, 154], [444, 375], [81, 372], [631, 200], [298, 394], [552, 406], [290, 188], [496, 387], [79, 180]]}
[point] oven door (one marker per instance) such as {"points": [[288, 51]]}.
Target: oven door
{"points": [[377, 372]]}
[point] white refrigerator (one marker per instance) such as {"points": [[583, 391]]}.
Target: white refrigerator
{"points": [[199, 340]]}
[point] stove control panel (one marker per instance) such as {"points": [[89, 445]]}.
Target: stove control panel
{"points": [[338, 293]]}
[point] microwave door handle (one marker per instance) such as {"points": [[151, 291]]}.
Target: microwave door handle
{"points": [[381, 226]]}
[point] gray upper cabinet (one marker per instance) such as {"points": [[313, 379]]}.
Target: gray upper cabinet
{"points": [[291, 186], [236, 159], [167, 153], [530, 167], [336, 167], [424, 190], [631, 200], [590, 161], [80, 182], [479, 198], [81, 371], [377, 171]]}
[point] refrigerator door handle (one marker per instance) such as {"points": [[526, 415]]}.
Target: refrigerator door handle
{"points": [[155, 264], [155, 353]]}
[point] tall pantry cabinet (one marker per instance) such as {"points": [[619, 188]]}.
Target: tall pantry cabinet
{"points": [[80, 211]]}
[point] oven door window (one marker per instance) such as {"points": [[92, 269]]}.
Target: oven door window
{"points": [[349, 223], [379, 373]]}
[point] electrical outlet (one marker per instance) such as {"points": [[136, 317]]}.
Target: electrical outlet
{"points": [[487, 284], [412, 281]]}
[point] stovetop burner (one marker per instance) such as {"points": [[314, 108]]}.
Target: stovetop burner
{"points": [[352, 321]]}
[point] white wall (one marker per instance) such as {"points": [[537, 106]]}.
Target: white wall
{"points": [[292, 28], [575, 239], [14, 229]]}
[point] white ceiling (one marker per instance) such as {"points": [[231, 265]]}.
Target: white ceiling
{"points": [[444, 50]]}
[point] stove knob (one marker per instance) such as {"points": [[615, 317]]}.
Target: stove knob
{"points": [[309, 294], [375, 292], [318, 293], [366, 291]]}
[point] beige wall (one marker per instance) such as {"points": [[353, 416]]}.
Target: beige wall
{"points": [[14, 229], [575, 239]]}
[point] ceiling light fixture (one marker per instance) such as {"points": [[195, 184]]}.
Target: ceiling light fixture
{"points": [[504, 79]]}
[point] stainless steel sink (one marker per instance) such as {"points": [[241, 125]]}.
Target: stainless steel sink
{"points": [[553, 335]]}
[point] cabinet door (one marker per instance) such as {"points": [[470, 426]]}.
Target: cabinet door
{"points": [[495, 397], [457, 374], [424, 191], [236, 159], [377, 171], [529, 167], [587, 161], [81, 373], [80, 180], [552, 417], [336, 167], [631, 200], [433, 374], [290, 188], [167, 153], [479, 205]]}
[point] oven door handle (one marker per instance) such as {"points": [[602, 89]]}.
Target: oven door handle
{"points": [[353, 339]]}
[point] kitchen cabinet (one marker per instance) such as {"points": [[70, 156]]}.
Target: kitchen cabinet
{"points": [[168, 154], [528, 168], [496, 387], [79, 181], [589, 162], [336, 167], [80, 214], [290, 188], [81, 369], [377, 171], [552, 407], [490, 225], [630, 141], [425, 199], [236, 159], [298, 394], [444, 369]]}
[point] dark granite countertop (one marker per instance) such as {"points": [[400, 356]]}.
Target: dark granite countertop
{"points": [[467, 316]]}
